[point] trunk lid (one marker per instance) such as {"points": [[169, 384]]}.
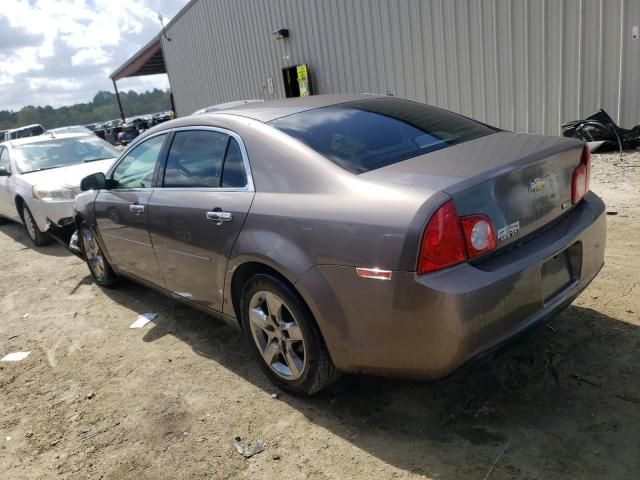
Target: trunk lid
{"points": [[522, 182]]}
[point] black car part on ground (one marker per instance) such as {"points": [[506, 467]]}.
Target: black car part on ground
{"points": [[66, 235], [601, 127]]}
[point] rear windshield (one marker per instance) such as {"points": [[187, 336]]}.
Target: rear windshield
{"points": [[367, 134]]}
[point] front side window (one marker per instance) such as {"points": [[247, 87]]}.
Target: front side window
{"points": [[136, 169], [4, 159], [367, 134]]}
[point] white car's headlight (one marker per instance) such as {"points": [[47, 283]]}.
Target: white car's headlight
{"points": [[53, 194]]}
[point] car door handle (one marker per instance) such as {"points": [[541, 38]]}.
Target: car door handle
{"points": [[219, 217], [136, 209]]}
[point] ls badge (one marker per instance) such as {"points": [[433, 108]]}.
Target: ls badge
{"points": [[510, 231]]}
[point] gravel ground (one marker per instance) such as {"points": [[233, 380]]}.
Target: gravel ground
{"points": [[96, 399]]}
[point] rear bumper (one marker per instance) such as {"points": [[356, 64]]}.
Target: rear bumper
{"points": [[428, 326]]}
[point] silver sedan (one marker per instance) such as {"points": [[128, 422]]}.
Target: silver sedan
{"points": [[40, 177]]}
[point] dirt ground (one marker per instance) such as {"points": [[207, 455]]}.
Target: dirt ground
{"points": [[96, 399]]}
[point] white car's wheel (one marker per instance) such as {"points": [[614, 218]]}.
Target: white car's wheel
{"points": [[37, 237]]}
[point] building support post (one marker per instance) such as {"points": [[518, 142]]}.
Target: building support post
{"points": [[173, 105], [115, 87], [166, 70]]}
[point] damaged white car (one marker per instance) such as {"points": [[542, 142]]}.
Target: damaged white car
{"points": [[40, 177]]}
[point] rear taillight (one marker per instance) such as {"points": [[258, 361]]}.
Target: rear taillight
{"points": [[449, 240], [580, 178], [478, 234], [442, 242]]}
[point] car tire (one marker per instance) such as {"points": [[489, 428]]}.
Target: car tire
{"points": [[98, 264], [283, 335], [37, 237]]}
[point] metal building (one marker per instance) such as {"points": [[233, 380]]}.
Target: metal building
{"points": [[526, 65]]}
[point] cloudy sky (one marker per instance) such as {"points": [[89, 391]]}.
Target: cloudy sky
{"points": [[60, 52]]}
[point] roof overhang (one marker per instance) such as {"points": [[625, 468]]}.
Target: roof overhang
{"points": [[147, 61]]}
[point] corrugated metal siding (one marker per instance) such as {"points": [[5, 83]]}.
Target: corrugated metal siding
{"points": [[525, 65]]}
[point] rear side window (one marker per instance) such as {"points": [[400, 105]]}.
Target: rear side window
{"points": [[367, 134], [195, 159], [205, 159], [234, 175]]}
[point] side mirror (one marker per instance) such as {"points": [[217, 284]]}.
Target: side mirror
{"points": [[4, 172], [95, 181]]}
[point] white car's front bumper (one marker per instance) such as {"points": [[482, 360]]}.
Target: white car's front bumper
{"points": [[58, 212]]}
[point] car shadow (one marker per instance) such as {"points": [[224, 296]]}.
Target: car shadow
{"points": [[16, 232], [564, 402]]}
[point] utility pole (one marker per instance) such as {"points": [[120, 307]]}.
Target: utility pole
{"points": [[115, 87]]}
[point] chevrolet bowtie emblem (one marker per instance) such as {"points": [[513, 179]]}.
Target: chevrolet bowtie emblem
{"points": [[537, 184]]}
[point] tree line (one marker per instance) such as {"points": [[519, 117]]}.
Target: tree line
{"points": [[102, 108]]}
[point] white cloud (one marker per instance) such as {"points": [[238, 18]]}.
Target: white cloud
{"points": [[59, 84], [56, 52], [90, 56]]}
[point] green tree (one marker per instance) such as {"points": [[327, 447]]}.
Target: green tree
{"points": [[28, 115], [102, 108]]}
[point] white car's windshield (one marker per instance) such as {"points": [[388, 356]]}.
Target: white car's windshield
{"points": [[61, 152]]}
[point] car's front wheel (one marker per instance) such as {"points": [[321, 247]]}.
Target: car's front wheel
{"points": [[37, 237], [98, 264], [285, 337]]}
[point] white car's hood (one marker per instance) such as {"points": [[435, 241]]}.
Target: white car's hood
{"points": [[66, 176]]}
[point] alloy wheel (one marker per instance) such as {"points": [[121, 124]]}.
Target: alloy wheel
{"points": [[92, 253], [29, 223], [277, 335]]}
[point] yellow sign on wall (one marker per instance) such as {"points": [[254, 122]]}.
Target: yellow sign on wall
{"points": [[303, 80]]}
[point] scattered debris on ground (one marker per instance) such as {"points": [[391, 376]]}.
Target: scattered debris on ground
{"points": [[143, 319], [248, 451], [15, 356]]}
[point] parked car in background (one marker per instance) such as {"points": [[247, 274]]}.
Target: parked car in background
{"points": [[109, 130], [224, 106], [23, 132], [127, 134], [142, 122], [161, 117], [71, 129], [350, 233], [40, 177]]}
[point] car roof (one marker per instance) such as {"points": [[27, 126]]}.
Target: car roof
{"points": [[224, 106], [44, 137], [24, 128], [274, 109]]}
